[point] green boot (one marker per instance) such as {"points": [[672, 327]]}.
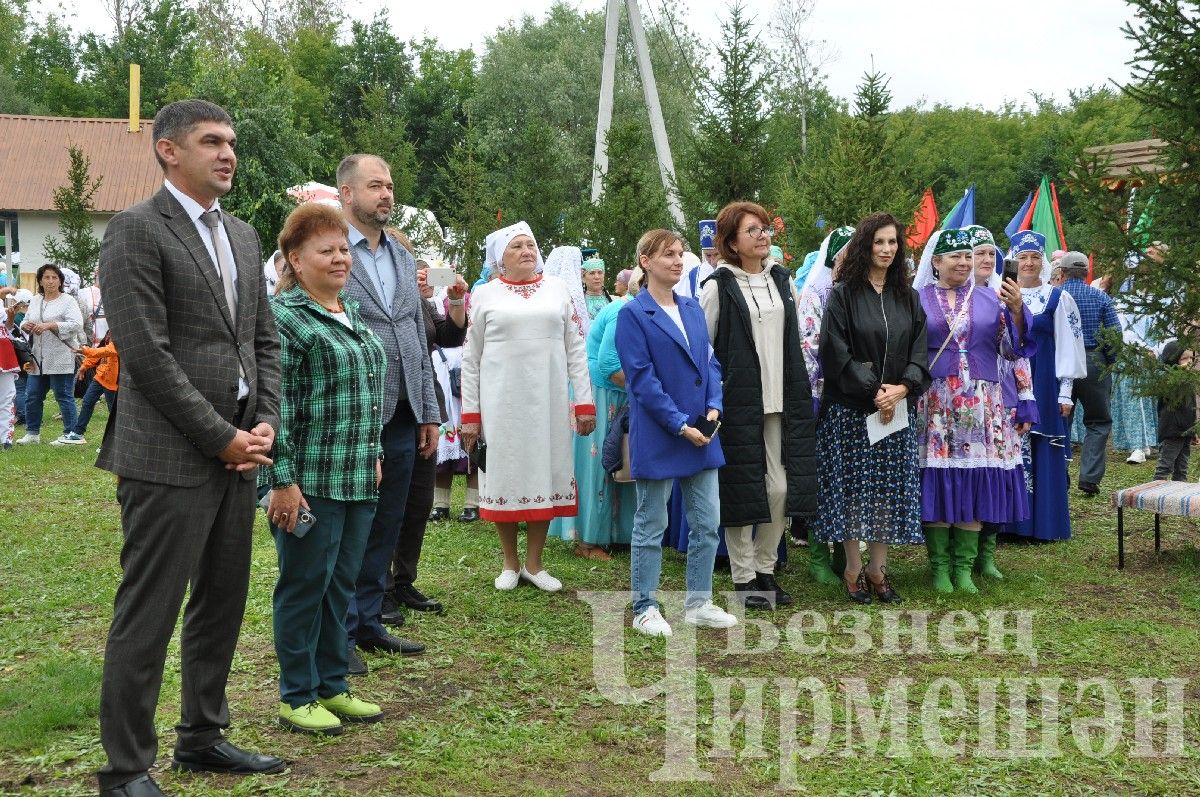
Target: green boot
{"points": [[966, 549], [937, 543], [819, 563], [986, 563]]}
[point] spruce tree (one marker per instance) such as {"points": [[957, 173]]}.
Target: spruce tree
{"points": [[77, 246], [1148, 239], [470, 197], [725, 160]]}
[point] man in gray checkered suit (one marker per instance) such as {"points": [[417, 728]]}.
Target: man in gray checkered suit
{"points": [[187, 307]]}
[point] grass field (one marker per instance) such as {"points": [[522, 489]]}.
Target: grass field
{"points": [[505, 701]]}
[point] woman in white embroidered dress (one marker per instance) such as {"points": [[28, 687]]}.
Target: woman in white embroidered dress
{"points": [[523, 346]]}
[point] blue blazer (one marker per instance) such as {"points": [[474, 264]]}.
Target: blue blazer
{"points": [[670, 381]]}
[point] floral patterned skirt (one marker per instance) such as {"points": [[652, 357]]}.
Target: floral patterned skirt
{"points": [[866, 492], [971, 460]]}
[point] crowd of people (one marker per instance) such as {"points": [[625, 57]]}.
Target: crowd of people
{"points": [[708, 404]]}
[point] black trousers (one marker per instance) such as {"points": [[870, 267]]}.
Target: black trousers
{"points": [[174, 536], [416, 518], [399, 442]]}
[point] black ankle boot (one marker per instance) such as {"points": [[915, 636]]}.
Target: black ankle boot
{"points": [[753, 601], [767, 583]]}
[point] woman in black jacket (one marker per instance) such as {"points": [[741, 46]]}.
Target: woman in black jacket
{"points": [[873, 353]]}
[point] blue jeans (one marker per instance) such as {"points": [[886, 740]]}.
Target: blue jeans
{"points": [[702, 502], [22, 381], [36, 389], [92, 395], [316, 582]]}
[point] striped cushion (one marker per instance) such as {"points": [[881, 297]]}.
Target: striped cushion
{"points": [[1165, 498]]}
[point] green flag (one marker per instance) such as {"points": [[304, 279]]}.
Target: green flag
{"points": [[1044, 220]]}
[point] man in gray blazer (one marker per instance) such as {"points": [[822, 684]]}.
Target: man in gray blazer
{"points": [[187, 307], [383, 280]]}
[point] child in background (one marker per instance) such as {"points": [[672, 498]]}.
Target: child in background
{"points": [[1176, 420], [108, 366]]}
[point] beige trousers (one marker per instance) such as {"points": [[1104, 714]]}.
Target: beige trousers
{"points": [[752, 551]]}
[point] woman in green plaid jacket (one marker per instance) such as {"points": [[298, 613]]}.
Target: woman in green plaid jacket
{"points": [[326, 465]]}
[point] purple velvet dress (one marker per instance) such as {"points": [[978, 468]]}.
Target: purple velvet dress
{"points": [[971, 462]]}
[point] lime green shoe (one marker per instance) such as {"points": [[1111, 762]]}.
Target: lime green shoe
{"points": [[351, 709], [309, 718]]}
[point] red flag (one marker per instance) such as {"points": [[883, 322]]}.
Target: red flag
{"points": [[925, 222], [1062, 239], [1027, 222], [500, 215]]}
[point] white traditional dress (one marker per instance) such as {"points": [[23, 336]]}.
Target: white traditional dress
{"points": [[523, 346]]}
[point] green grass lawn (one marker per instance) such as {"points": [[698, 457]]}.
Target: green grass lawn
{"points": [[505, 701]]}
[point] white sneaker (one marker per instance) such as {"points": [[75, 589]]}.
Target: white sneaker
{"points": [[69, 439], [651, 623], [710, 615], [507, 580], [542, 580], [29, 439], [1138, 457]]}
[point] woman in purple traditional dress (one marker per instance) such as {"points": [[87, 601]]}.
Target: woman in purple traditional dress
{"points": [[972, 471]]}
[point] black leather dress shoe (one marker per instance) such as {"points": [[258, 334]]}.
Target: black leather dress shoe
{"points": [[752, 601], [439, 514], [411, 597], [138, 787], [226, 757], [469, 514], [1087, 488], [394, 618], [354, 663], [767, 583], [392, 644]]}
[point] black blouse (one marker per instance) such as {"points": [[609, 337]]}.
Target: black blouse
{"points": [[870, 339]]}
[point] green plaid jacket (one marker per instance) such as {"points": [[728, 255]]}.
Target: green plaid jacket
{"points": [[331, 401]]}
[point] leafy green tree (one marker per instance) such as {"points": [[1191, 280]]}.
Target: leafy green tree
{"points": [[48, 72], [633, 200], [257, 89], [725, 159], [382, 131], [435, 103], [161, 37], [468, 196], [77, 245]]}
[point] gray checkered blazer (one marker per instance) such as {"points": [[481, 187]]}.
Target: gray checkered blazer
{"points": [[401, 328], [179, 353]]}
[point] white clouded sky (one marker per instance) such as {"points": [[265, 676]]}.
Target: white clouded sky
{"points": [[959, 52]]}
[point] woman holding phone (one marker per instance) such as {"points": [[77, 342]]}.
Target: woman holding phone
{"points": [[674, 385], [325, 476]]}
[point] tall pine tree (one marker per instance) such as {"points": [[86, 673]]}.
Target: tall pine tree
{"points": [[725, 157]]}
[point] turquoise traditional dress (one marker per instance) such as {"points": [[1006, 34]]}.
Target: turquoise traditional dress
{"points": [[605, 507]]}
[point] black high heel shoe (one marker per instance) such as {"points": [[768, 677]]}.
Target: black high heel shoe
{"points": [[884, 591], [862, 589]]}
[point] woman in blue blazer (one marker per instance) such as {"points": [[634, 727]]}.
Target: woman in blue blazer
{"points": [[673, 380]]}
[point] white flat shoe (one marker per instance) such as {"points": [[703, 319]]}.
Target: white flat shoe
{"points": [[542, 580], [508, 580]]}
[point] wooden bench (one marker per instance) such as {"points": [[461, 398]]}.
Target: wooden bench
{"points": [[1178, 499]]}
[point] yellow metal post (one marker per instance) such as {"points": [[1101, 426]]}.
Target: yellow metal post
{"points": [[135, 98]]}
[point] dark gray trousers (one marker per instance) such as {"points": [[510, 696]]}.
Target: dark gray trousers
{"points": [[1174, 454], [174, 537], [1094, 392]]}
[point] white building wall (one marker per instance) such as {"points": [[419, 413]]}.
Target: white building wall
{"points": [[35, 228]]}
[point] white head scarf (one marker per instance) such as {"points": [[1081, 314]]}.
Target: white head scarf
{"points": [[924, 275], [498, 241], [565, 262], [71, 281], [820, 276]]}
